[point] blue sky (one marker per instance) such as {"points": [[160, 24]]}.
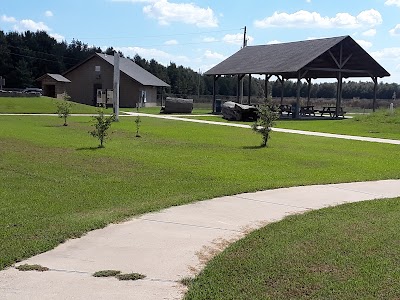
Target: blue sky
{"points": [[201, 33]]}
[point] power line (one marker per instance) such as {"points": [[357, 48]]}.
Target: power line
{"points": [[40, 52], [38, 58], [162, 35]]}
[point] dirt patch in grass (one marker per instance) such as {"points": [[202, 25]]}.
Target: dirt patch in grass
{"points": [[130, 276], [106, 273], [27, 267]]}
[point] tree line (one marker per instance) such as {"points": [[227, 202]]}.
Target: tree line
{"points": [[28, 55]]}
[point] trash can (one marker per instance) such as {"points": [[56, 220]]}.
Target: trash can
{"points": [[294, 110], [218, 106]]}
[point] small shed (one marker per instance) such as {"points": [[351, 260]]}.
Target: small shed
{"points": [[94, 76], [54, 85]]}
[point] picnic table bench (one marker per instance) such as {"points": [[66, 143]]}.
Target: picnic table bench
{"points": [[283, 108], [331, 110], [308, 110]]}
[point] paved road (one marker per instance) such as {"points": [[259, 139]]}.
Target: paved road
{"points": [[169, 245]]}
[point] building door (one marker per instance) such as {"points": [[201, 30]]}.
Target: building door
{"points": [[96, 87], [50, 91]]}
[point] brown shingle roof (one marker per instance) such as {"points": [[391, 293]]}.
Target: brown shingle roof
{"points": [[288, 59]]}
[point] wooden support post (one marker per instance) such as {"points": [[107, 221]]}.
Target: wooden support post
{"points": [[309, 91], [214, 94], [116, 85], [238, 89], [267, 77], [339, 95], [162, 96], [297, 111], [375, 79], [282, 81], [249, 96]]}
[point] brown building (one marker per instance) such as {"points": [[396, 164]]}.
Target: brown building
{"points": [[53, 85], [94, 77]]}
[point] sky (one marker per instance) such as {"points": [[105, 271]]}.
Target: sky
{"points": [[201, 33]]}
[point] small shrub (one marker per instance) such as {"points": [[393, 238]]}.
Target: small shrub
{"points": [[27, 267], [186, 281], [106, 273], [266, 119], [137, 121], [64, 108], [101, 125], [130, 276]]}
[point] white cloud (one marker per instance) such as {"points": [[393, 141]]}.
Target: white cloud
{"points": [[387, 53], [308, 1], [237, 39], [395, 30], [389, 58], [166, 12], [393, 2], [209, 40], [371, 32], [274, 42], [31, 25], [149, 53], [364, 44], [8, 19], [213, 55], [171, 42], [302, 18], [48, 13], [135, 1], [58, 37], [370, 17]]}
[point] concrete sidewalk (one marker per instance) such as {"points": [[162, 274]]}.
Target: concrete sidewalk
{"points": [[171, 244]]}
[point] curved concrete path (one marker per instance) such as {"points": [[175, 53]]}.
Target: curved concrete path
{"points": [[171, 244]]}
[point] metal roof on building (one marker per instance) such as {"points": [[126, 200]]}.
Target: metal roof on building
{"points": [[319, 58], [56, 77], [134, 71]]}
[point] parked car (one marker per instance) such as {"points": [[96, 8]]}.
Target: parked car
{"points": [[33, 91]]}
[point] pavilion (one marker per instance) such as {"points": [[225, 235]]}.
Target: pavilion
{"points": [[336, 57]]}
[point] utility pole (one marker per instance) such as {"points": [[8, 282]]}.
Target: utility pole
{"points": [[116, 86], [198, 88], [244, 37], [244, 45]]}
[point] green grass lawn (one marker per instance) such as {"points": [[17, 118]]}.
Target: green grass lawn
{"points": [[156, 110], [346, 252], [55, 184], [379, 125], [37, 105]]}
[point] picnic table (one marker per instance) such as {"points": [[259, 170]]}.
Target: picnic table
{"points": [[331, 110], [307, 110], [284, 108]]}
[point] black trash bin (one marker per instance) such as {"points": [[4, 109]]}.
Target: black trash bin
{"points": [[218, 106], [294, 110]]}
